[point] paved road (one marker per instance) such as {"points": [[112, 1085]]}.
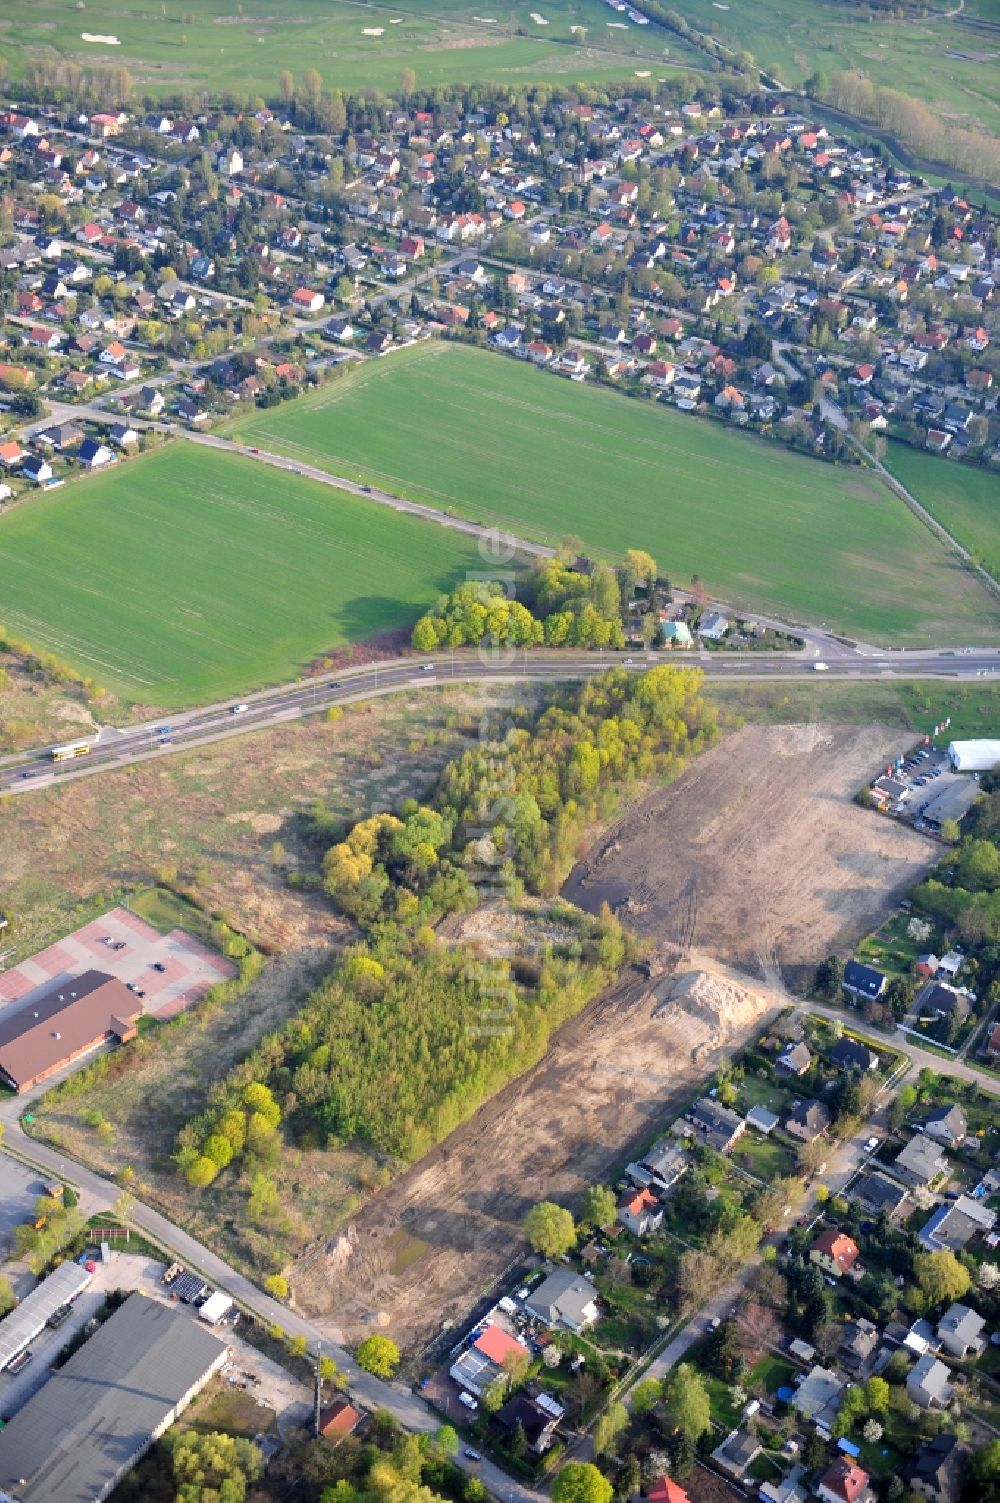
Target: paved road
{"points": [[409, 1409], [35, 770]]}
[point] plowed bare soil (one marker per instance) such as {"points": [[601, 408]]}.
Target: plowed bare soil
{"points": [[760, 862]]}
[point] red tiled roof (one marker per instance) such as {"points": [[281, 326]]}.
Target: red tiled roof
{"points": [[664, 1490], [844, 1479], [838, 1246], [498, 1345]]}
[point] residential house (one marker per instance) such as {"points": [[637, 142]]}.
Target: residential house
{"points": [[937, 1474], [665, 1490], [60, 437], [37, 469], [44, 339], [719, 1125], [792, 1488], [858, 1343], [94, 455], [564, 1299], [947, 1125], [763, 1121], [834, 1251], [536, 1417], [949, 965], [11, 454], [123, 435], [660, 1168], [305, 300], [849, 1054], [939, 1000], [737, 1453], [151, 400], [845, 1482], [796, 1059], [640, 1212], [486, 1359], [341, 329], [920, 1162], [808, 1120], [927, 1382], [713, 626], [960, 1332], [337, 1420], [863, 981], [676, 634], [119, 361], [817, 1397]]}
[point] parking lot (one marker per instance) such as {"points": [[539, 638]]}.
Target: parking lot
{"points": [[248, 1368], [929, 791], [19, 1189], [167, 971]]}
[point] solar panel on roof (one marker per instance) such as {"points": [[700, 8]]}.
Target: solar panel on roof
{"points": [[189, 1287]]}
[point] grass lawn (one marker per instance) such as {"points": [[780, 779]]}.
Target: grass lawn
{"points": [[753, 1091], [794, 37], [774, 1372], [190, 574], [165, 910], [764, 1157], [891, 949], [500, 442], [917, 705], [232, 1410], [214, 45], [962, 497], [724, 1412]]}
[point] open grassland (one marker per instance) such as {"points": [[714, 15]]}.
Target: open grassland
{"points": [[225, 822], [215, 45], [191, 574], [500, 442], [916, 705], [964, 499], [945, 62]]}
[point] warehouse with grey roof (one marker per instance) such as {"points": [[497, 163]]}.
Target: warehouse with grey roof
{"points": [[78, 1436]]}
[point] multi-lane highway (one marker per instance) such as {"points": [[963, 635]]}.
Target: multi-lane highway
{"points": [[35, 770]]}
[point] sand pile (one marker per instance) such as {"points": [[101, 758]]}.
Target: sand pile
{"points": [[704, 1006]]}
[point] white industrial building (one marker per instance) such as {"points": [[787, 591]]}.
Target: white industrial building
{"points": [[974, 756]]}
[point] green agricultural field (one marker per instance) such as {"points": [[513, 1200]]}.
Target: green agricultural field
{"points": [[173, 45], [191, 574], [964, 499], [500, 442], [947, 64]]}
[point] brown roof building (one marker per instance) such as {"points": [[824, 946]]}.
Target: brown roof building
{"points": [[70, 1019], [337, 1420]]}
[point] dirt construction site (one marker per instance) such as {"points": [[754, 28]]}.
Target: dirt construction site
{"points": [[754, 864]]}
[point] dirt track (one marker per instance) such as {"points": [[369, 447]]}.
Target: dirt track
{"points": [[762, 841], [784, 864]]}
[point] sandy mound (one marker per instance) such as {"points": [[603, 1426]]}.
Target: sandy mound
{"points": [[704, 1005]]}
